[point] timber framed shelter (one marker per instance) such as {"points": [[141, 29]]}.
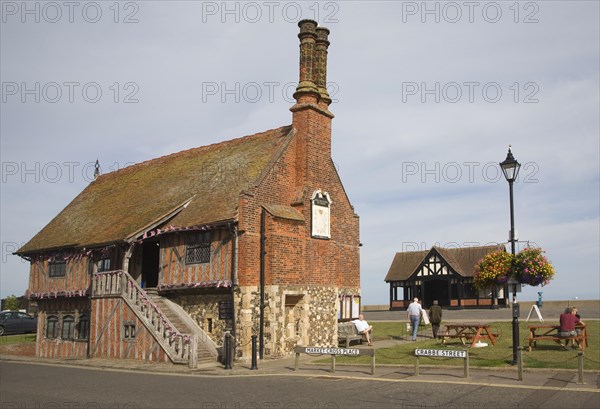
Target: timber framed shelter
{"points": [[443, 274]]}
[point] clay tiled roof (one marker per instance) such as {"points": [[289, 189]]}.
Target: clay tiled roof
{"points": [[462, 260], [194, 187]]}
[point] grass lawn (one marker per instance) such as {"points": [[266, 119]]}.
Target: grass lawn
{"points": [[547, 354], [17, 339]]}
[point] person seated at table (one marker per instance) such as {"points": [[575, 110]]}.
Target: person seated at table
{"points": [[363, 327], [581, 323], [566, 329]]}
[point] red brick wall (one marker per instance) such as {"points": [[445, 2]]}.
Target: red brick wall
{"points": [[293, 257]]}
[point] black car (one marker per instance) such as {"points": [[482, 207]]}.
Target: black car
{"points": [[14, 322]]}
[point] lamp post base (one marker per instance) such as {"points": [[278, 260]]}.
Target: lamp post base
{"points": [[515, 331]]}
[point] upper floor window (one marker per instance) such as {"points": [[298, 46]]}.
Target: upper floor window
{"points": [[104, 265], [57, 269], [52, 327], [198, 248]]}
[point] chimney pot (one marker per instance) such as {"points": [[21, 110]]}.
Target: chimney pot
{"points": [[321, 46], [308, 38]]}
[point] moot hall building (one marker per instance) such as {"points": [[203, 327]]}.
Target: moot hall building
{"points": [[254, 236]]}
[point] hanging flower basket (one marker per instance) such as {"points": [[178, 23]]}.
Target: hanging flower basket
{"points": [[492, 270], [533, 268]]}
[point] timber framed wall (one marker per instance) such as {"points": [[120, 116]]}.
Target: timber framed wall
{"points": [[63, 342], [116, 333]]}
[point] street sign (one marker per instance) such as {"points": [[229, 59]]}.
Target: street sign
{"points": [[443, 353]]}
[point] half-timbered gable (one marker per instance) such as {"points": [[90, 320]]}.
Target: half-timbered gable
{"points": [[443, 274], [252, 236]]}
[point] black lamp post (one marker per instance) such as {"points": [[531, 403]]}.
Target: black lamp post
{"points": [[510, 168]]}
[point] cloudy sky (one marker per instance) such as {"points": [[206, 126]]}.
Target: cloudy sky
{"points": [[428, 96]]}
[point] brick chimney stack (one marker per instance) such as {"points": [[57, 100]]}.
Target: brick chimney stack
{"points": [[311, 117], [312, 85], [321, 66], [306, 90]]}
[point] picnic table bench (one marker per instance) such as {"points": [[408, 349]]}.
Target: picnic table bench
{"points": [[468, 332], [347, 333], [552, 332]]}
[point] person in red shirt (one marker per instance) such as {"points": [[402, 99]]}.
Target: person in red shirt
{"points": [[568, 321]]}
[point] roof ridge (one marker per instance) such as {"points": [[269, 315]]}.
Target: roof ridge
{"points": [[467, 247], [208, 147]]}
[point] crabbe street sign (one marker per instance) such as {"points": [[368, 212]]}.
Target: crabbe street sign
{"points": [[442, 353]]}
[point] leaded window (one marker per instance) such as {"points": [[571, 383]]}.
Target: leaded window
{"points": [[52, 327], [68, 327], [83, 327], [104, 265], [129, 330], [57, 269], [198, 248]]}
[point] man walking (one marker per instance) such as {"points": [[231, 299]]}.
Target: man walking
{"points": [[414, 316], [435, 316]]}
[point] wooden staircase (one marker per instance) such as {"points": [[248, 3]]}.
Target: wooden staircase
{"points": [[178, 335]]}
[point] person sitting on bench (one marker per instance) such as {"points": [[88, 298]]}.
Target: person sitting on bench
{"points": [[579, 318], [363, 327], [568, 321]]}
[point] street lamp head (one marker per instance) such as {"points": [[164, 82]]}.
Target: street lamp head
{"points": [[510, 166]]}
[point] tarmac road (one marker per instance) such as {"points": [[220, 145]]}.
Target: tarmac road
{"points": [[32, 385]]}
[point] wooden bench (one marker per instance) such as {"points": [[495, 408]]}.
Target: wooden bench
{"points": [[551, 333], [347, 333]]}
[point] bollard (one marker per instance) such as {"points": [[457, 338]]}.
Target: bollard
{"points": [[466, 364], [227, 351], [520, 363], [417, 365], [254, 352], [580, 368]]}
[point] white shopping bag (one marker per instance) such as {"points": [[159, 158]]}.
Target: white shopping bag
{"points": [[425, 318], [407, 327]]}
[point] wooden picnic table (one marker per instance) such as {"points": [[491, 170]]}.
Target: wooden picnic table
{"points": [[552, 332], [471, 332]]}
